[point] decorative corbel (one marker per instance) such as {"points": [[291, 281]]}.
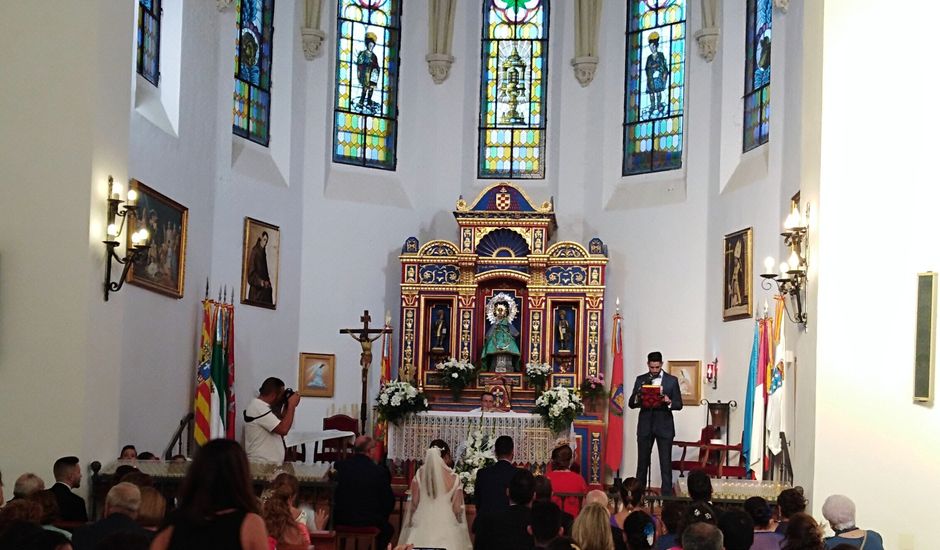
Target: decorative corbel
{"points": [[707, 36], [311, 35], [587, 20], [440, 38], [782, 5], [222, 5]]}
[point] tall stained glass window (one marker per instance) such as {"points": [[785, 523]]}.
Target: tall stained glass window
{"points": [[365, 113], [254, 22], [512, 89], [757, 74], [654, 103], [148, 40]]}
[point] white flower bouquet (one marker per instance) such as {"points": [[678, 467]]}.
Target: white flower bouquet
{"points": [[398, 399], [478, 453], [537, 374], [456, 375], [559, 406]]}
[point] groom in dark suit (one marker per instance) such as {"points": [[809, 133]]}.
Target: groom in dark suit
{"points": [[489, 493], [656, 423], [364, 492]]}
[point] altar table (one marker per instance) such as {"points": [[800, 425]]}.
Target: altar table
{"points": [[532, 438]]}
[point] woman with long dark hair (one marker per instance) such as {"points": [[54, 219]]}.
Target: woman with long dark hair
{"points": [[803, 533], [217, 507]]}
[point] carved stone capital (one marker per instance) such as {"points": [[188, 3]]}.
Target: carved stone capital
{"points": [[782, 5], [584, 68], [313, 42], [223, 4], [439, 66], [707, 39]]}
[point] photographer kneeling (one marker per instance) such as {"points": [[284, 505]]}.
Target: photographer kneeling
{"points": [[268, 419]]}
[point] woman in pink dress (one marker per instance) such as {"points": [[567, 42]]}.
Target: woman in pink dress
{"points": [[565, 481]]}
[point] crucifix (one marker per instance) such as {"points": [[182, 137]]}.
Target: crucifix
{"points": [[365, 338]]}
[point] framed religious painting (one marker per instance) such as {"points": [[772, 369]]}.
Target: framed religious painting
{"points": [[317, 375], [261, 252], [738, 292], [166, 221], [689, 374]]}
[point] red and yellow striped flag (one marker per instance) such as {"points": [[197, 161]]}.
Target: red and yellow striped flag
{"points": [[202, 431]]}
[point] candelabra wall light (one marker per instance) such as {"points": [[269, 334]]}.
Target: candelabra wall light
{"points": [[139, 247], [711, 373], [790, 282]]}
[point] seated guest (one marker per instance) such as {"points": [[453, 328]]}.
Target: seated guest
{"points": [[631, 496], [543, 493], [491, 483], [20, 511], [508, 530], [50, 511], [591, 529], [128, 452], [285, 523], [596, 496], [363, 494], [789, 502], [702, 536], [217, 506], [765, 535], [738, 529], [121, 471], [565, 481], [671, 514], [562, 543], [700, 486], [152, 510], [545, 525], [147, 455], [26, 485], [120, 516], [68, 476], [138, 478], [24, 535], [839, 511], [803, 533], [639, 531], [697, 512]]}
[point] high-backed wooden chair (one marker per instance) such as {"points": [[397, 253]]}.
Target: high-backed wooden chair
{"points": [[702, 460], [356, 538], [336, 449]]}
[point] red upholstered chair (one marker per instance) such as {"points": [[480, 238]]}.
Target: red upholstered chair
{"points": [[702, 446], [336, 449], [356, 538]]}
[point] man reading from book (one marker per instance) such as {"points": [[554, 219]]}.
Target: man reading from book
{"points": [[656, 394]]}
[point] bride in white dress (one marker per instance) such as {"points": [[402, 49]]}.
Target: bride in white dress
{"points": [[435, 517]]}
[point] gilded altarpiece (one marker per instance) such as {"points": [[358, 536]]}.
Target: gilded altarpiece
{"points": [[504, 270]]}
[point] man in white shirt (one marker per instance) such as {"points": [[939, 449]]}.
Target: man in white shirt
{"points": [[264, 430]]}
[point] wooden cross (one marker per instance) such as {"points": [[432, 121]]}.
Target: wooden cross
{"points": [[364, 337]]}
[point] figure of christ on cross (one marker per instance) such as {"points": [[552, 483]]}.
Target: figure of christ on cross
{"points": [[365, 336]]}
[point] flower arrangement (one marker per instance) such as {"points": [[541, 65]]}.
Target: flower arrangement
{"points": [[538, 373], [593, 389], [559, 406], [479, 453], [398, 399], [456, 374]]}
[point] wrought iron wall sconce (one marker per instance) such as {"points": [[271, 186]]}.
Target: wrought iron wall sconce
{"points": [[791, 280], [711, 373], [137, 251]]}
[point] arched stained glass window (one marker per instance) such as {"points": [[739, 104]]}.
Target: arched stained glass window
{"points": [[512, 89], [757, 74], [148, 40], [365, 114], [655, 89], [254, 21]]}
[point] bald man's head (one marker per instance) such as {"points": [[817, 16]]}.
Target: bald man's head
{"points": [[596, 496]]}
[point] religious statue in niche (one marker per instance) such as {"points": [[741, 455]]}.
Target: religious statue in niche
{"points": [[501, 345], [439, 329], [563, 334], [657, 76], [367, 73]]}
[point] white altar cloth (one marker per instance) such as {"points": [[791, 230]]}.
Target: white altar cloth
{"points": [[532, 438]]}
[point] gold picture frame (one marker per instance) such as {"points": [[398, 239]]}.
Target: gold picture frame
{"points": [[261, 254], [166, 220], [738, 258], [689, 374], [316, 376]]}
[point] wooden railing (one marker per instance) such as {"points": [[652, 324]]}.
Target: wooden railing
{"points": [[186, 423]]}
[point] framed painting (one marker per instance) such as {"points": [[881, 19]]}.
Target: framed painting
{"points": [[166, 220], [689, 374], [261, 252], [738, 290], [317, 375]]}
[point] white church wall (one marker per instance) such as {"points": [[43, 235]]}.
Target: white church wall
{"points": [[873, 443]]}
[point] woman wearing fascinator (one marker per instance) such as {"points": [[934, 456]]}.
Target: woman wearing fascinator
{"points": [[435, 517]]}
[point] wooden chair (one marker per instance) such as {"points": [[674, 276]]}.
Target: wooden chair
{"points": [[356, 538], [685, 464], [335, 449], [717, 467]]}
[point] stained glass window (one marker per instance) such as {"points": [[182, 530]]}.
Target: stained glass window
{"points": [[654, 103], [254, 23], [148, 40], [757, 74], [512, 89], [365, 113]]}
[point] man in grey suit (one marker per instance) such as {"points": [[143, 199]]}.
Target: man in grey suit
{"points": [[656, 423]]}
